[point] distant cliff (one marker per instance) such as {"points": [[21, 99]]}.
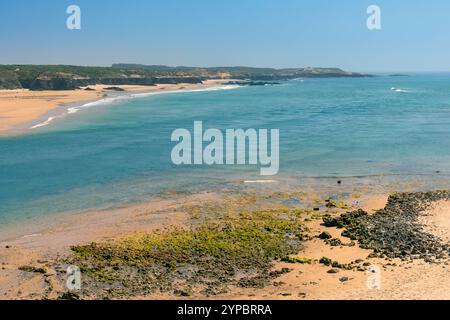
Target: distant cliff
{"points": [[9, 80], [249, 73], [61, 77], [72, 77]]}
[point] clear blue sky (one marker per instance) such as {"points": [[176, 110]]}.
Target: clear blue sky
{"points": [[415, 34]]}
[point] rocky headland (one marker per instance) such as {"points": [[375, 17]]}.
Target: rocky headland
{"points": [[61, 77]]}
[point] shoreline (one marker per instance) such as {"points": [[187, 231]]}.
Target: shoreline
{"points": [[365, 190], [178, 210], [25, 110]]}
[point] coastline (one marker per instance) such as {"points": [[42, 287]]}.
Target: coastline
{"points": [[23, 110], [400, 278], [45, 245]]}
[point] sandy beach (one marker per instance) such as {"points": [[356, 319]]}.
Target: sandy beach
{"points": [[22, 106], [400, 278]]}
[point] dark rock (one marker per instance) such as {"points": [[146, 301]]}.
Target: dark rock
{"points": [[32, 269], [394, 231], [325, 235], [334, 270], [334, 242], [181, 293], [114, 89], [326, 261], [69, 296]]}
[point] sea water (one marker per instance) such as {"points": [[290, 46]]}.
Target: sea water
{"points": [[119, 151]]}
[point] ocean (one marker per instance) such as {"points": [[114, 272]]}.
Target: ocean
{"points": [[119, 151]]}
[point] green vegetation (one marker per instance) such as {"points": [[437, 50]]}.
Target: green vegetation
{"points": [[330, 263], [238, 250], [335, 204], [63, 77], [242, 72], [297, 260]]}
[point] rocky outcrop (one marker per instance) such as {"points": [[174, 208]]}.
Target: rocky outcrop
{"points": [[71, 84], [395, 231]]}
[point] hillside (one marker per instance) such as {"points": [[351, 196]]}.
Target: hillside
{"points": [[250, 73], [64, 77]]}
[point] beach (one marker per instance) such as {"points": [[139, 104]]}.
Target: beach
{"points": [[21, 106], [47, 250], [356, 193]]}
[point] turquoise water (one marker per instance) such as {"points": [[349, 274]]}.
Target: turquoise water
{"points": [[115, 153]]}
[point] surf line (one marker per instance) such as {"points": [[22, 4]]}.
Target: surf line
{"points": [[234, 147]]}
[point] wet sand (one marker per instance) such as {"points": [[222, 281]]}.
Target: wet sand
{"points": [[21, 107], [399, 279]]}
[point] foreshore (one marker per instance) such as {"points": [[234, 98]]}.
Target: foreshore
{"points": [[326, 264], [22, 109]]}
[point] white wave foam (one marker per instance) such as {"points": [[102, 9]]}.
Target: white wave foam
{"points": [[111, 100], [46, 122], [154, 93], [31, 235], [104, 101], [399, 90], [260, 181]]}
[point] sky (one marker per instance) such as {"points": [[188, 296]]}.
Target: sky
{"points": [[259, 33]]}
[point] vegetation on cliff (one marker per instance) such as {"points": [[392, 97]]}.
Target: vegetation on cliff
{"points": [[64, 77]]}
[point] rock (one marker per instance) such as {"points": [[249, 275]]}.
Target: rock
{"points": [[343, 279], [69, 296], [32, 269], [279, 283], [114, 89], [181, 293], [334, 270], [326, 261], [334, 242], [325, 235], [394, 232], [286, 294]]}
